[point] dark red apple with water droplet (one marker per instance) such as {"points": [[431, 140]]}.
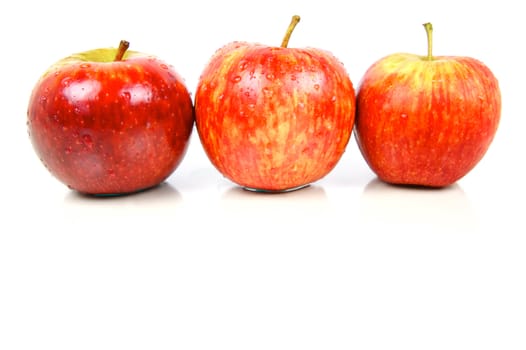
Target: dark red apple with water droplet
{"points": [[274, 118], [110, 121]]}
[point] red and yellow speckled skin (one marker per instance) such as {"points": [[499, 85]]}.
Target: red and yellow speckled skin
{"points": [[426, 122], [274, 118], [110, 127]]}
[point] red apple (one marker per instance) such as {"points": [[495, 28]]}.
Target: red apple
{"points": [[274, 118], [110, 121], [426, 120]]}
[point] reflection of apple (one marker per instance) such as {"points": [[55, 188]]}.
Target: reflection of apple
{"points": [[426, 120], [274, 118], [110, 121]]}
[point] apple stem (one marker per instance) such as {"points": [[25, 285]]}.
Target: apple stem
{"points": [[429, 32], [290, 29], [123, 46]]}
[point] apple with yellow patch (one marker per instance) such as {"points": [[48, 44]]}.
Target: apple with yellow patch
{"points": [[426, 120]]}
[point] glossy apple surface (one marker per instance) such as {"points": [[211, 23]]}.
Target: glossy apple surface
{"points": [[426, 120], [106, 126], [274, 118]]}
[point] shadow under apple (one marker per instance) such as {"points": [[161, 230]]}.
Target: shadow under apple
{"points": [[161, 197], [294, 208], [402, 208]]}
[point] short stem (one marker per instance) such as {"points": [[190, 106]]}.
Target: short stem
{"points": [[123, 46], [290, 29], [429, 32]]}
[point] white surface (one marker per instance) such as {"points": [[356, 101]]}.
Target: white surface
{"points": [[348, 263]]}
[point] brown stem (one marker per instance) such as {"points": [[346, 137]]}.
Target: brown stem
{"points": [[123, 46], [290, 29]]}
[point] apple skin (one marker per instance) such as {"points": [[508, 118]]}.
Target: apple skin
{"points": [[110, 127], [426, 122], [274, 118]]}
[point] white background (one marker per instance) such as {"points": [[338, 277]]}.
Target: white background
{"points": [[197, 263]]}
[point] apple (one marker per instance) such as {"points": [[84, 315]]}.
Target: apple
{"points": [[426, 120], [274, 118], [110, 121]]}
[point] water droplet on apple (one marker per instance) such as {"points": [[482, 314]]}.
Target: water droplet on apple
{"points": [[333, 98], [251, 106], [316, 86], [243, 65], [220, 97], [85, 65], [293, 78], [403, 115], [88, 141], [301, 105], [111, 172], [270, 76], [163, 66], [268, 92], [236, 79], [247, 94], [68, 150], [126, 95]]}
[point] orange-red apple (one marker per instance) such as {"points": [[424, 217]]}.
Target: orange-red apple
{"points": [[426, 120]]}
